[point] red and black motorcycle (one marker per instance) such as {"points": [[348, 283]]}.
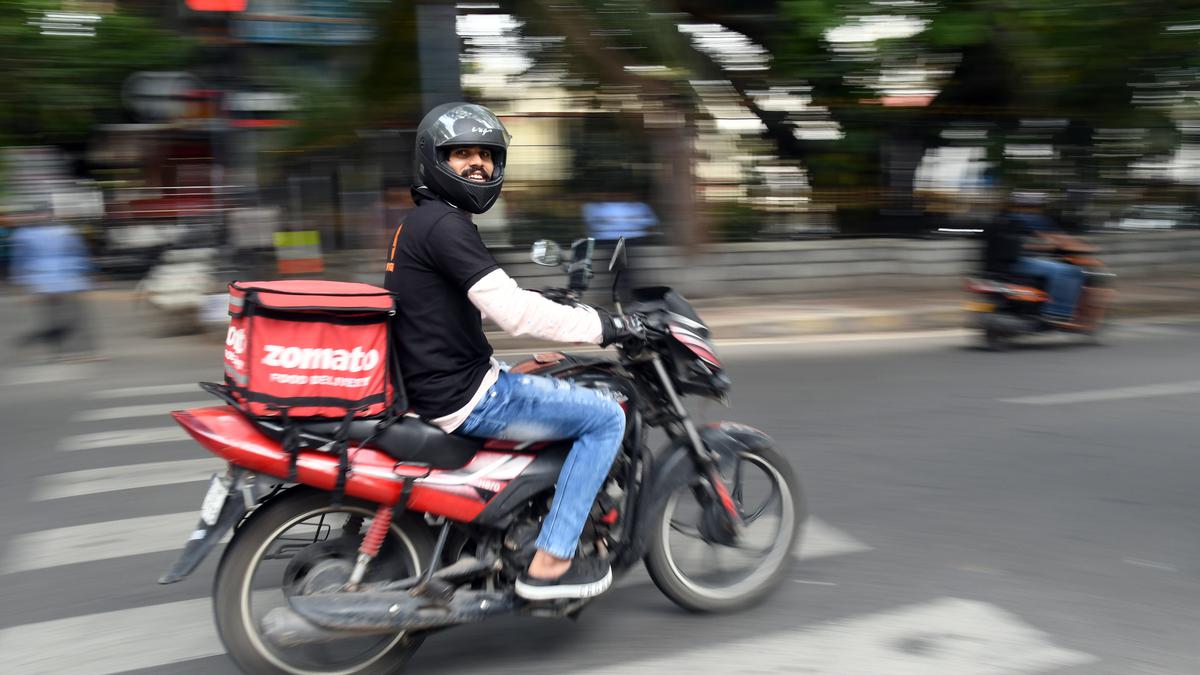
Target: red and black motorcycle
{"points": [[434, 528]]}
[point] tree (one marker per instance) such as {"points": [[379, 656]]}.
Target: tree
{"points": [[1082, 62], [633, 47], [62, 78]]}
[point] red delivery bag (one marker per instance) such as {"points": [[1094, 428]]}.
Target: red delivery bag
{"points": [[308, 348]]}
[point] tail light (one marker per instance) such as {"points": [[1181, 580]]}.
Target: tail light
{"points": [[983, 286], [197, 429]]}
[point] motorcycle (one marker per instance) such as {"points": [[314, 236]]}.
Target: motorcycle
{"points": [[1006, 305], [431, 529]]}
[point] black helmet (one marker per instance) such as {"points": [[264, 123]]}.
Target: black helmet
{"points": [[453, 125]]}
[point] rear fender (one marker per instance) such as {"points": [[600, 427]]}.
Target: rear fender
{"points": [[677, 468], [245, 491]]}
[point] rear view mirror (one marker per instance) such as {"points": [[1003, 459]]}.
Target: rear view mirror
{"points": [[617, 263], [546, 253]]}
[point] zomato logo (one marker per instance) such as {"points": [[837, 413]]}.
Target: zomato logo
{"points": [[352, 361], [235, 339]]}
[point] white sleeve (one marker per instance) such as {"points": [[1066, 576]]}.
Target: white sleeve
{"points": [[521, 312]]}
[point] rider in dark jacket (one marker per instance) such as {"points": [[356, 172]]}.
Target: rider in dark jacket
{"points": [[445, 279], [1012, 244]]}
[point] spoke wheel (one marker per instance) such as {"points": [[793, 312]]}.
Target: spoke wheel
{"points": [[702, 575], [299, 543]]}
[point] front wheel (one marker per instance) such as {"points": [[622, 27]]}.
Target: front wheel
{"points": [[297, 543], [699, 574]]}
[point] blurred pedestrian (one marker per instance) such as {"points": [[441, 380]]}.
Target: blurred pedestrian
{"points": [[612, 215], [50, 260]]}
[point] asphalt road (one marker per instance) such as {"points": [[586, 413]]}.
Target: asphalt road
{"points": [[1034, 511]]}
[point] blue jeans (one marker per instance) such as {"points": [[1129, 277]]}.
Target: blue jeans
{"points": [[532, 408], [1063, 283]]}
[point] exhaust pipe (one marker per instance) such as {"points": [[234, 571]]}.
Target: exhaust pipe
{"points": [[284, 628], [387, 612]]}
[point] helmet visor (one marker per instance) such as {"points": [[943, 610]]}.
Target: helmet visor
{"points": [[468, 124]]}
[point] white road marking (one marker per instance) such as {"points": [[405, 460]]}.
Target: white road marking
{"points": [[1151, 564], [818, 540], [45, 374], [146, 410], [123, 437], [148, 390], [112, 478], [822, 540], [99, 541], [947, 635], [112, 642], [1115, 394]]}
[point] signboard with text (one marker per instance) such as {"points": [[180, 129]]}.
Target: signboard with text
{"points": [[311, 22]]}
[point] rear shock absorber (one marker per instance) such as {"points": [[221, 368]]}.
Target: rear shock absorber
{"points": [[370, 546]]}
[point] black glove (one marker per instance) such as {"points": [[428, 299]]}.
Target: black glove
{"points": [[622, 328]]}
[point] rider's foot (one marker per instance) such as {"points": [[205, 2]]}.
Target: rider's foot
{"points": [[585, 577]]}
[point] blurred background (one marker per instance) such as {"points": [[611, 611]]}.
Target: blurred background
{"points": [[816, 175], [203, 124]]}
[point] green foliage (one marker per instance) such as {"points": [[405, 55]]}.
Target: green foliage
{"points": [[327, 115], [389, 89], [56, 87], [734, 221]]}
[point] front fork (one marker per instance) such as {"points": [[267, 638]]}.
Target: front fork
{"points": [[714, 491]]}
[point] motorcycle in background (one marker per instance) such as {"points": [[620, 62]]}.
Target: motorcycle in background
{"points": [[1005, 306]]}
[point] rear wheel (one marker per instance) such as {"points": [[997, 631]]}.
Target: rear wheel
{"points": [[297, 543], [701, 575]]}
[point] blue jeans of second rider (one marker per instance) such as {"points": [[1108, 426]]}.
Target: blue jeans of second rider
{"points": [[1063, 283], [532, 408]]}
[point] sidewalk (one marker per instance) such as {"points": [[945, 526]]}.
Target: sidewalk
{"points": [[121, 321], [739, 318]]}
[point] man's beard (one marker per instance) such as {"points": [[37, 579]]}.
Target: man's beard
{"points": [[467, 174]]}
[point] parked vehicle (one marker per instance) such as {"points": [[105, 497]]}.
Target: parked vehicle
{"points": [[434, 529]]}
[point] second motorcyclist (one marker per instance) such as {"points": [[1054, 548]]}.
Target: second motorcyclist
{"points": [[1021, 242]]}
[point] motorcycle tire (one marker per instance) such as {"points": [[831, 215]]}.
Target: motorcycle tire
{"points": [[689, 595], [994, 340], [234, 618]]}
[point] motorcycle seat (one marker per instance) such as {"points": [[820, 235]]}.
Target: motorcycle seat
{"points": [[408, 439], [1017, 279]]}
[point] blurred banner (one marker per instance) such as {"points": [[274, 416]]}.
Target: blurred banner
{"points": [[310, 22], [299, 252]]}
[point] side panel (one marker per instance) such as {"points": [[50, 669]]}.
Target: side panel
{"points": [[459, 494], [462, 494], [540, 476]]}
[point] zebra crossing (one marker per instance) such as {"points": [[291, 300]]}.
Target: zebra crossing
{"points": [[952, 635]]}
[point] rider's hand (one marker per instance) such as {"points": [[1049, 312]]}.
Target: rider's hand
{"points": [[621, 328]]}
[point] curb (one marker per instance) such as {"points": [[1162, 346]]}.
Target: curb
{"points": [[881, 322], [818, 323]]}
